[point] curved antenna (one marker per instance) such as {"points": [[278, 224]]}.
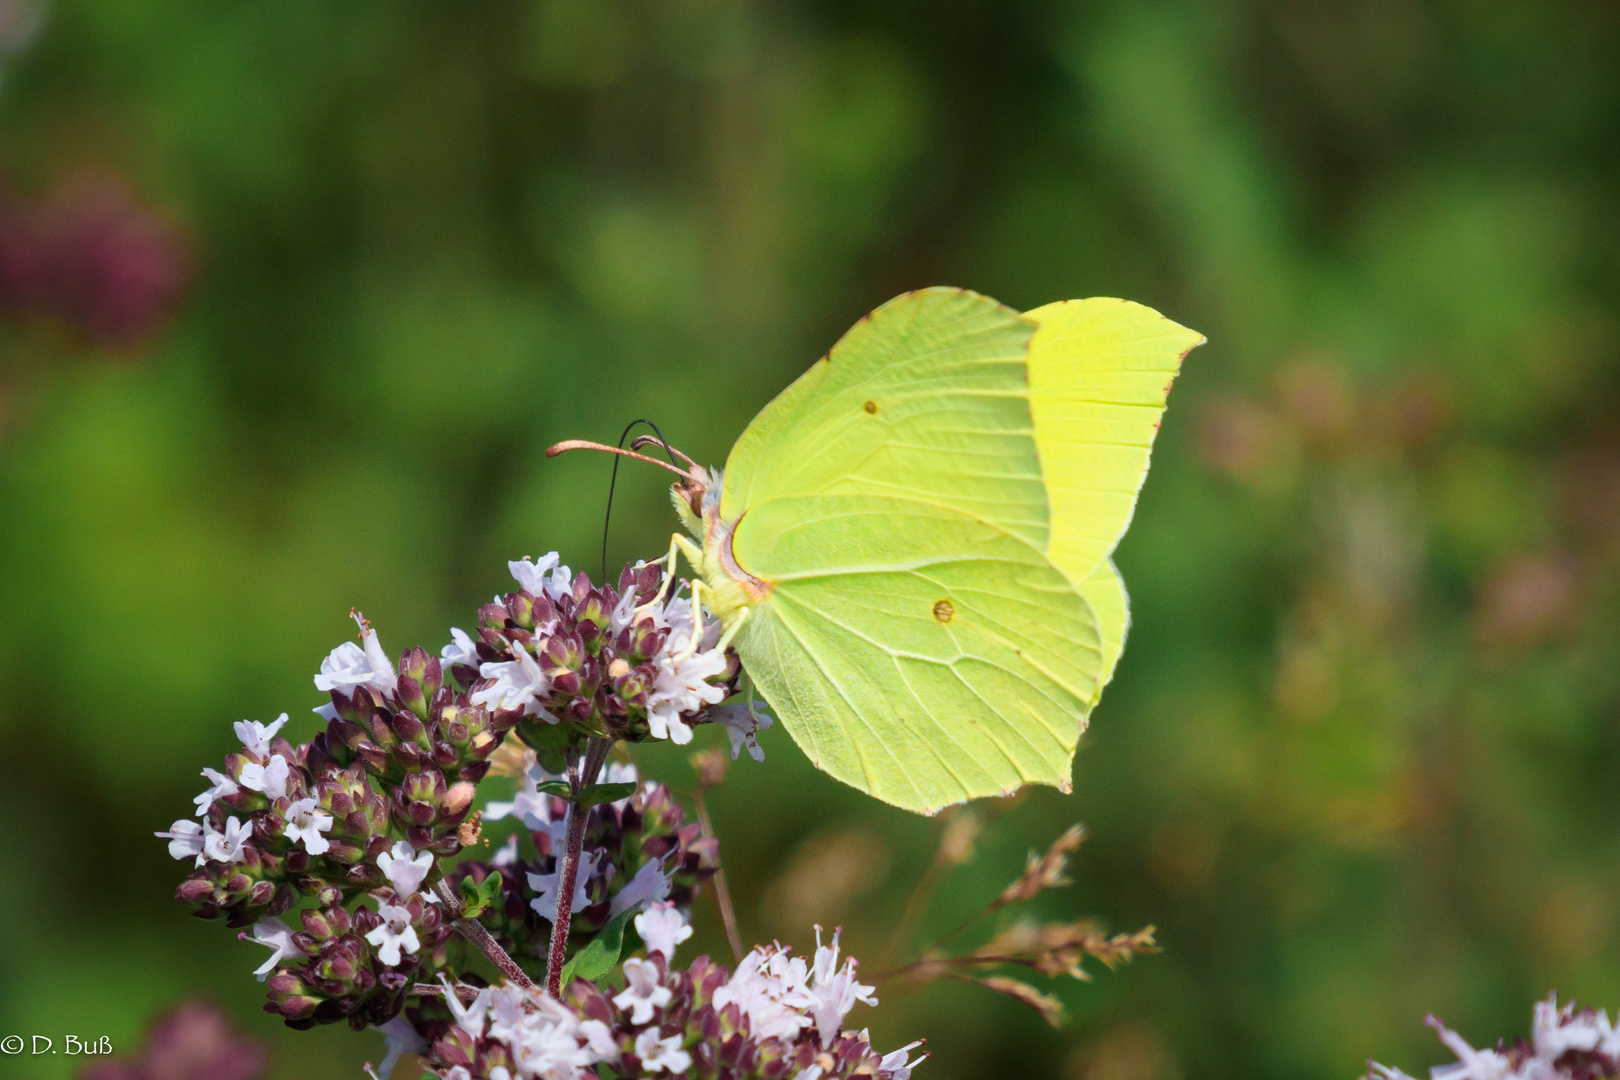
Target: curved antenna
{"points": [[650, 440], [620, 452]]}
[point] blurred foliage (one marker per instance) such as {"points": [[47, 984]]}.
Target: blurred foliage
{"points": [[1360, 759]]}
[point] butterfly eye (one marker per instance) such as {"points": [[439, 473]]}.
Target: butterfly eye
{"points": [[870, 407], [944, 610]]}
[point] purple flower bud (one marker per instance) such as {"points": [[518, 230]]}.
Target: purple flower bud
{"points": [[194, 890], [407, 726], [520, 609]]}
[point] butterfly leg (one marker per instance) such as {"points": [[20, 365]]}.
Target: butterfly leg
{"points": [[678, 544], [697, 618]]}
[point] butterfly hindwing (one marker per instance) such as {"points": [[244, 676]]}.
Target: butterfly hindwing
{"points": [[1104, 591], [917, 653]]}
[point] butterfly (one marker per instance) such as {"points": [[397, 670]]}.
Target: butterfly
{"points": [[909, 548]]}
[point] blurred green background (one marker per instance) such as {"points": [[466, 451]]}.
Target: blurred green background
{"points": [[1360, 760]]}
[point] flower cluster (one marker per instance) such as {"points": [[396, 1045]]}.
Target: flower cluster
{"points": [[624, 663], [775, 1017], [356, 967], [365, 805], [1564, 1044], [636, 850], [352, 828]]}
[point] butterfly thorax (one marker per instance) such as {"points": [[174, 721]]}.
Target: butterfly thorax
{"points": [[731, 588]]}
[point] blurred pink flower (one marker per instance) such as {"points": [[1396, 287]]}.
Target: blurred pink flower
{"points": [[91, 255], [193, 1042]]}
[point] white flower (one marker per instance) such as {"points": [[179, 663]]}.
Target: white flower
{"points": [[546, 1040], [662, 928], [276, 934], [617, 773], [256, 736], [395, 933], [742, 723], [461, 650], [185, 840], [518, 684], [896, 1066], [543, 1036], [226, 846], [681, 684], [623, 613], [270, 779], [531, 805], [659, 1054], [531, 574], [812, 1073], [545, 885], [560, 583], [650, 883], [402, 1038], [344, 668], [305, 822], [349, 666], [405, 867], [769, 988], [223, 787], [469, 1016], [1554, 1033], [599, 1039], [644, 991], [507, 1012], [506, 854], [834, 989]]}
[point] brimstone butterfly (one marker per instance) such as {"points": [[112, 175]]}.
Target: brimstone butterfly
{"points": [[909, 547]]}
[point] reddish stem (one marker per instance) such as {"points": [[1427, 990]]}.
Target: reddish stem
{"points": [[596, 752], [474, 931]]}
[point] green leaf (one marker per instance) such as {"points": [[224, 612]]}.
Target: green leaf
{"points": [[479, 898], [605, 793], [597, 958], [559, 788], [548, 741]]}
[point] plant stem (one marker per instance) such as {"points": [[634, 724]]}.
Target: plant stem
{"points": [[945, 964], [463, 991], [722, 894], [916, 907], [596, 751], [474, 931]]}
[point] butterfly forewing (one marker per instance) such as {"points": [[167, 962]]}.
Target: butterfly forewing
{"points": [[925, 399], [1099, 373]]}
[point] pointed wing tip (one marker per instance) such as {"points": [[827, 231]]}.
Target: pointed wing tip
{"points": [[1199, 339]]}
